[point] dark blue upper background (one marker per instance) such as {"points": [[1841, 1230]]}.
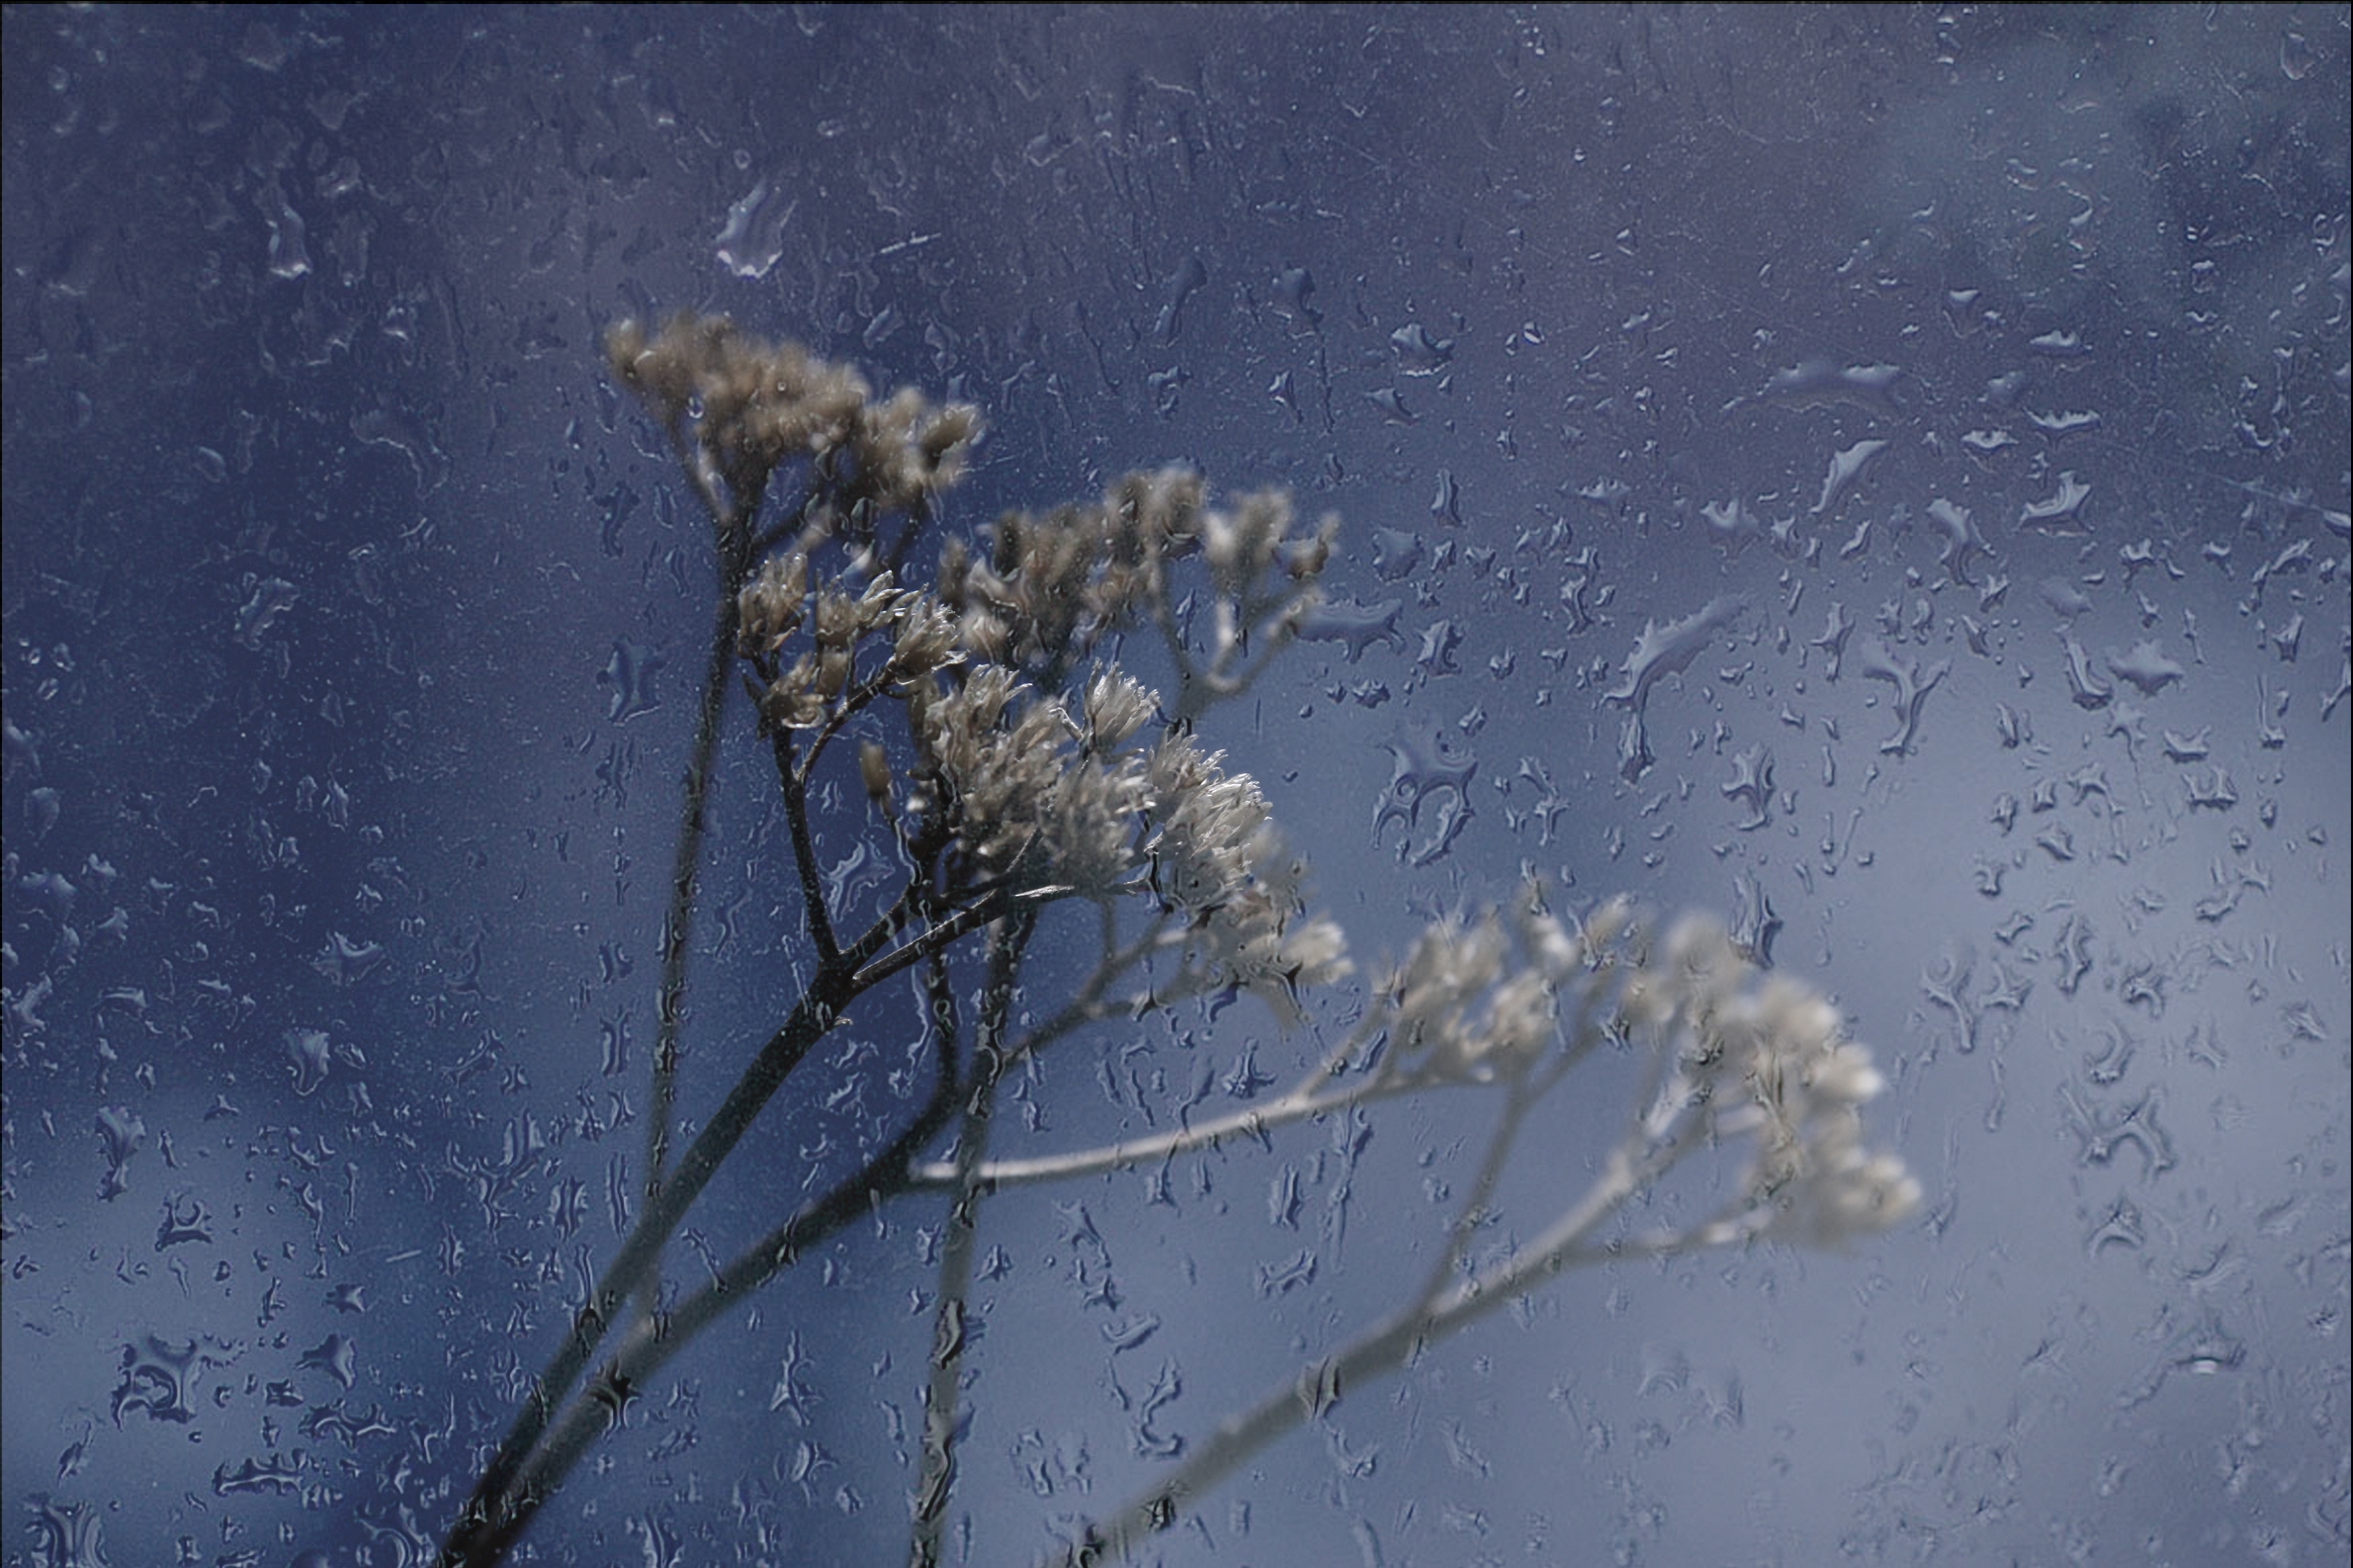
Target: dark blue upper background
{"points": [[352, 621]]}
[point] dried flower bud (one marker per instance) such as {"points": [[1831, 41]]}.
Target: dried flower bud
{"points": [[1843, 1192], [1306, 559], [1758, 1056], [1460, 1009], [1845, 1075], [986, 636], [1240, 545], [839, 620], [874, 771], [1116, 708], [1520, 1020], [1605, 925], [905, 449], [791, 701], [925, 640], [736, 405], [833, 672], [880, 603], [946, 440], [1557, 953], [770, 606]]}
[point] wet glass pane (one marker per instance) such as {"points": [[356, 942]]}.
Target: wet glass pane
{"points": [[1874, 479]]}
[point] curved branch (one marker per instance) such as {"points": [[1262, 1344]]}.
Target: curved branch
{"points": [[1388, 1346], [650, 1342], [950, 1334], [678, 929], [1296, 1105], [793, 780], [504, 1500]]}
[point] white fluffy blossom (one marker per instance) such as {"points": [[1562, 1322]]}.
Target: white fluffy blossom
{"points": [[1766, 1056], [1743, 1054]]}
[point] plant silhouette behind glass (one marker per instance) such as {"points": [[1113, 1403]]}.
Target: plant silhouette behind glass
{"points": [[1010, 766]]}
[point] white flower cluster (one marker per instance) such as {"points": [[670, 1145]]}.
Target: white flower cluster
{"points": [[1056, 583], [737, 408], [1216, 858], [1454, 1010], [1742, 1053], [907, 450], [1766, 1056], [1254, 560], [774, 606], [1056, 791], [1025, 781]]}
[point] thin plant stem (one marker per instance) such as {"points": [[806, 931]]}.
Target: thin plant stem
{"points": [[677, 932], [1296, 1105], [1389, 1345], [525, 1468], [1309, 1097], [1475, 1207], [819, 918], [952, 1326], [640, 1255], [649, 1344]]}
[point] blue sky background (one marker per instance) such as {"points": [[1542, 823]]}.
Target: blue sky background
{"points": [[353, 619]]}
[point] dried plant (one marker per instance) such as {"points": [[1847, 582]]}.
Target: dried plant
{"points": [[1025, 769]]}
